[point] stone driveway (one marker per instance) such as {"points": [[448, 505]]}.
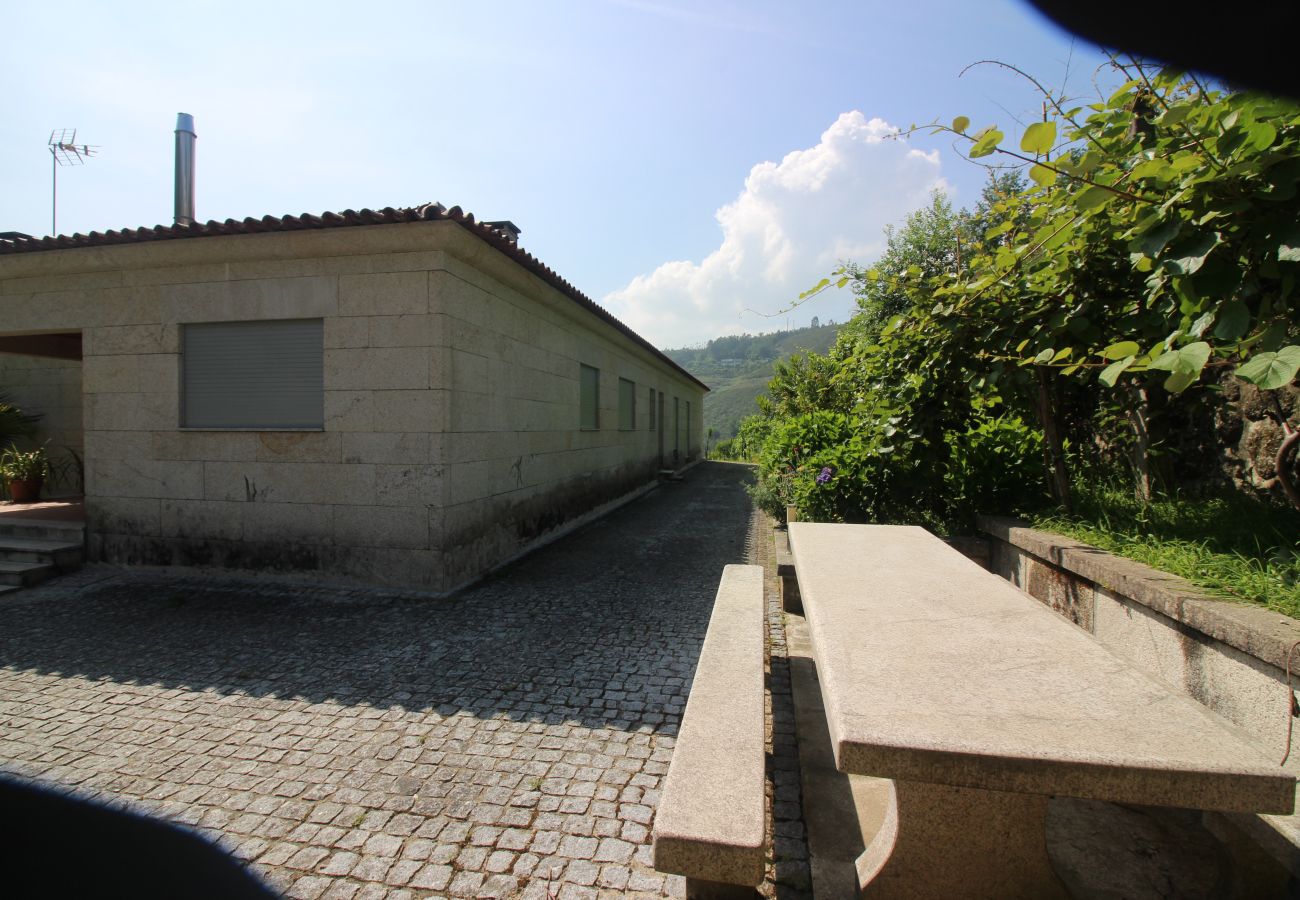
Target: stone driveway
{"points": [[357, 743]]}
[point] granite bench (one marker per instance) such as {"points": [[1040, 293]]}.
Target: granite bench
{"points": [[711, 822], [980, 704]]}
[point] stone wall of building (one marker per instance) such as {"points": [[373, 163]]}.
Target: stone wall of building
{"points": [[517, 464], [450, 438]]}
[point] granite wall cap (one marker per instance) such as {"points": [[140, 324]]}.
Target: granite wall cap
{"points": [[1262, 633]]}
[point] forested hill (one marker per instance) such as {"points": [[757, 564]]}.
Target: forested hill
{"points": [[737, 369]]}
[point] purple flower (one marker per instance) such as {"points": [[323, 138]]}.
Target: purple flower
{"points": [[824, 475]]}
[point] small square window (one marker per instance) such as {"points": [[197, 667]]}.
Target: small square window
{"points": [[589, 398]]}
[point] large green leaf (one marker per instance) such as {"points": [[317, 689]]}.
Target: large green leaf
{"points": [[1175, 115], [1184, 365], [1039, 138], [986, 142], [1233, 320], [1261, 136], [1189, 255], [1271, 370], [1089, 162], [1165, 361], [1092, 197], [1153, 168], [1042, 175], [1121, 349], [1155, 239], [1203, 321], [1193, 357], [1179, 381], [1169, 76], [1111, 373], [1121, 96]]}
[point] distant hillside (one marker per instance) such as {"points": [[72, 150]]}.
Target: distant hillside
{"points": [[737, 369]]}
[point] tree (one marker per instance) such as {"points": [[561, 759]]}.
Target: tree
{"points": [[1159, 241], [927, 245]]}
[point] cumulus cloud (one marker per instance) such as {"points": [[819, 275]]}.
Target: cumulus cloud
{"points": [[792, 223]]}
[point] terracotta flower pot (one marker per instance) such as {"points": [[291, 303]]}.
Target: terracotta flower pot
{"points": [[26, 491]]}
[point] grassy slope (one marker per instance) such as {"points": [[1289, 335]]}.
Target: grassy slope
{"points": [[1235, 546], [737, 370]]}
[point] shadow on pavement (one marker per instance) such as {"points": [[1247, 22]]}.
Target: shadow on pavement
{"points": [[602, 627]]}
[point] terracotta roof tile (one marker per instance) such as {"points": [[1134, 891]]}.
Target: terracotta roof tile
{"points": [[347, 218]]}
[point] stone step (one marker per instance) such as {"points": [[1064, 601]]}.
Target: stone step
{"points": [[62, 554], [43, 530], [8, 589], [24, 574]]}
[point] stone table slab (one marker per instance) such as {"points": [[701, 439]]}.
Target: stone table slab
{"points": [[935, 670]]}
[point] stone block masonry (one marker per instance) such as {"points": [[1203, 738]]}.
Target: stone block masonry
{"points": [[450, 438]]}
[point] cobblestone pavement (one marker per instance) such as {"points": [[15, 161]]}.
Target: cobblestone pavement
{"points": [[511, 741], [789, 874]]}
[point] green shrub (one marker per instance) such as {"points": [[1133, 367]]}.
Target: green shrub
{"points": [[852, 468], [996, 466], [20, 465]]}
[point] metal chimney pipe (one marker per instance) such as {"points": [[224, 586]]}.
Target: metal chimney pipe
{"points": [[185, 138]]}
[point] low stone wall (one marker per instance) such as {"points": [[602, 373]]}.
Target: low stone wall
{"points": [[1229, 656]]}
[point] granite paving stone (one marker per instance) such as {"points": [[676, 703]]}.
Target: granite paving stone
{"points": [[353, 742]]}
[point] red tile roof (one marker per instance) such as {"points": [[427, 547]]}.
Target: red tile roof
{"points": [[428, 212]]}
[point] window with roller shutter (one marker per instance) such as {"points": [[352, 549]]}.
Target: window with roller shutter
{"points": [[626, 405], [253, 375]]}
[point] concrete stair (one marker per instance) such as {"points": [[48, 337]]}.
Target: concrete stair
{"points": [[32, 550]]}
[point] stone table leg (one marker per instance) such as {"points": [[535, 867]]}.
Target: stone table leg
{"points": [[941, 841], [699, 889]]}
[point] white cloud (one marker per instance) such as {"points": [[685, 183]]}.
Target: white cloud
{"points": [[792, 223]]}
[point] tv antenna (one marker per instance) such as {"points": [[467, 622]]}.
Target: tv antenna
{"points": [[64, 151]]}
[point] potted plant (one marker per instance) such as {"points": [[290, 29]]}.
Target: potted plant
{"points": [[24, 473]]}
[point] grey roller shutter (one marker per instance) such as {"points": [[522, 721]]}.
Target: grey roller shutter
{"points": [[267, 374], [626, 405]]}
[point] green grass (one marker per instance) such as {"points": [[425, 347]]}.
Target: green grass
{"points": [[1236, 547]]}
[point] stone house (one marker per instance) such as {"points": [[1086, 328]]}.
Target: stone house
{"points": [[400, 397]]}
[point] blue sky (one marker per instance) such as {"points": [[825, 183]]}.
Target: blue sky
{"points": [[678, 162]]}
